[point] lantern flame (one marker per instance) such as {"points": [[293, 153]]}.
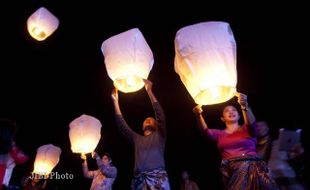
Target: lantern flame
{"points": [[129, 84]]}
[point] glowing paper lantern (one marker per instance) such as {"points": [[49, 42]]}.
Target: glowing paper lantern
{"points": [[85, 133], [206, 61], [128, 60], [42, 24], [46, 159]]}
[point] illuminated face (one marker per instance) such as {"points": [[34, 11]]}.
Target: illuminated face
{"points": [[149, 124], [230, 114], [105, 160]]}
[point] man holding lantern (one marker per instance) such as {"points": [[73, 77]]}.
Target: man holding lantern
{"points": [[149, 170], [104, 177]]}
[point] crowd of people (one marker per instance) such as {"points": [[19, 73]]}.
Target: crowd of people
{"points": [[251, 159]]}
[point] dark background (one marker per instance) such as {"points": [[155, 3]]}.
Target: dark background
{"points": [[45, 85]]}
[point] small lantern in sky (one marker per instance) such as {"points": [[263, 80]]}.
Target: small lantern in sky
{"points": [[206, 61], [128, 59], [46, 159], [41, 24], [84, 134]]}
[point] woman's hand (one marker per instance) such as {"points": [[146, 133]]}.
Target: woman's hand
{"points": [[197, 109], [83, 156], [242, 99]]}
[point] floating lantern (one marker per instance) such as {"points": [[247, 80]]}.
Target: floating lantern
{"points": [[128, 60], [206, 61], [84, 133], [41, 24], [46, 159]]}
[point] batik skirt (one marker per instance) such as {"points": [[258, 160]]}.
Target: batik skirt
{"points": [[151, 180], [246, 173]]}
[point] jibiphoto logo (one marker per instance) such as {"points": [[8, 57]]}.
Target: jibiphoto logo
{"points": [[52, 175]]}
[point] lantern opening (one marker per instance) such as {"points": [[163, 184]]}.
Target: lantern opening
{"points": [[43, 168], [85, 146], [38, 33], [129, 84], [215, 95]]}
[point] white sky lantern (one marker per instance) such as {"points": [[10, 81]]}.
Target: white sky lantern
{"points": [[84, 133], [46, 159], [42, 24], [128, 60], [206, 61]]}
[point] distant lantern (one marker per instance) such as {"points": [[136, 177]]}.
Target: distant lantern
{"points": [[46, 159], [42, 24], [84, 134], [206, 61], [128, 60]]}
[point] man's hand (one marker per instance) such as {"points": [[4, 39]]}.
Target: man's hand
{"points": [[95, 155], [114, 94], [148, 85]]}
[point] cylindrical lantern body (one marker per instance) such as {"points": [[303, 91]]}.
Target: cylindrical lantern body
{"points": [[84, 134], [206, 61], [46, 159], [128, 60], [41, 24]]}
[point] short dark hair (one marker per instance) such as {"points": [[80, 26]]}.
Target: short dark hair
{"points": [[107, 155]]}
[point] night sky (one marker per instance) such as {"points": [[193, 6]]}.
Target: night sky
{"points": [[45, 85]]}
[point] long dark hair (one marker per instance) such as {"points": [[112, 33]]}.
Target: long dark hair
{"points": [[7, 135]]}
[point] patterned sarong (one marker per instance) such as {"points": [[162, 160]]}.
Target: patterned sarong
{"points": [[246, 173], [151, 180]]}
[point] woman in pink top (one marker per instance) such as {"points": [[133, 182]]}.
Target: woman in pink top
{"points": [[241, 168]]}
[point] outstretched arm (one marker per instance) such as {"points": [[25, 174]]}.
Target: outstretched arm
{"points": [[247, 113], [148, 88], [109, 172], [120, 121], [158, 110], [86, 172], [201, 122], [249, 118], [199, 118], [210, 133]]}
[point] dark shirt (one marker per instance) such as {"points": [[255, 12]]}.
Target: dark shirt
{"points": [[149, 150]]}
